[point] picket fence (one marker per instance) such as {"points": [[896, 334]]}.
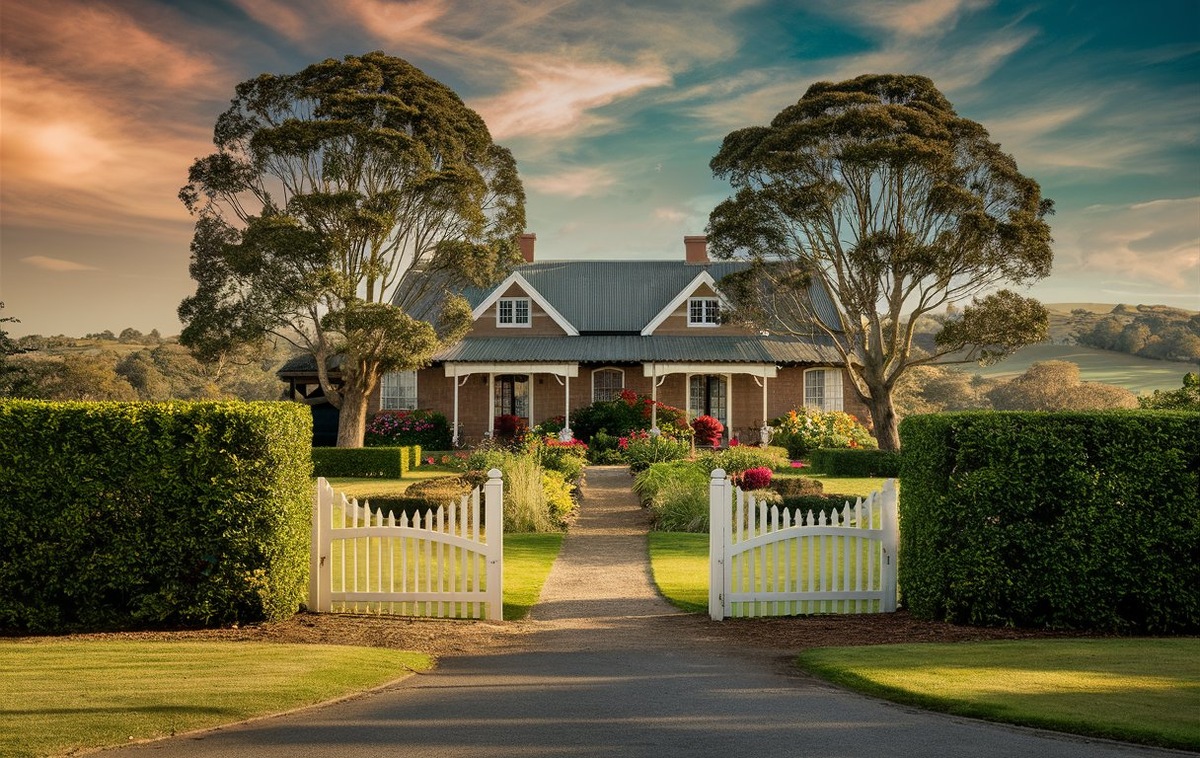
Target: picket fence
{"points": [[442, 563], [765, 562]]}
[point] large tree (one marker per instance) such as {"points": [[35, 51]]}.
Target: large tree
{"points": [[328, 189], [875, 191]]}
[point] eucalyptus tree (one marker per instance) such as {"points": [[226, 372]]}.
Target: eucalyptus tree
{"points": [[875, 191], [329, 190]]}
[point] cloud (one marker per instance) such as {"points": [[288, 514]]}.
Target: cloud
{"points": [[56, 264], [672, 215], [1156, 241], [579, 182], [559, 97], [906, 18]]}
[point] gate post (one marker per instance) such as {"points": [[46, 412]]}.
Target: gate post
{"points": [[319, 568], [493, 509], [891, 544], [719, 514]]}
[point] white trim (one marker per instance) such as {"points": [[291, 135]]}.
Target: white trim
{"points": [[757, 369], [595, 371], [702, 278], [466, 369], [515, 324], [516, 278]]}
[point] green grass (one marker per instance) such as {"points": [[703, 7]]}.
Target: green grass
{"points": [[1136, 690], [1139, 375], [839, 485], [61, 695], [679, 563], [527, 562], [365, 489]]}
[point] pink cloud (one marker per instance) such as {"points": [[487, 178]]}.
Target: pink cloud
{"points": [[56, 264]]}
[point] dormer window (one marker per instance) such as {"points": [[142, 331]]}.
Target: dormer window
{"points": [[704, 311], [512, 312]]}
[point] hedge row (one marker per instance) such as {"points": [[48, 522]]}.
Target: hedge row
{"points": [[837, 461], [383, 462], [119, 515], [1060, 520]]}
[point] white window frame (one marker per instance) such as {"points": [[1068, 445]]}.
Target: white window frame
{"points": [[601, 370], [709, 311], [513, 305], [392, 396], [830, 389]]}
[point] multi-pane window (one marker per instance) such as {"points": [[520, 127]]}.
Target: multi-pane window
{"points": [[398, 391], [704, 311], [607, 384], [823, 389], [512, 311]]}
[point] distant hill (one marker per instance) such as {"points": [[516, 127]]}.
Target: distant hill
{"points": [[1137, 374]]}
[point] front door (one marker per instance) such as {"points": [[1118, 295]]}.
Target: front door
{"points": [[708, 395], [512, 398]]}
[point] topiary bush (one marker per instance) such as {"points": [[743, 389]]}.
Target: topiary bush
{"points": [[797, 486], [855, 462], [365, 462], [1082, 520], [128, 515]]}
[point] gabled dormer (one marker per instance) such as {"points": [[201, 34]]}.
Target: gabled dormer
{"points": [[515, 308]]}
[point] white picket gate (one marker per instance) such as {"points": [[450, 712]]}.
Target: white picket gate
{"points": [[765, 562], [441, 563]]}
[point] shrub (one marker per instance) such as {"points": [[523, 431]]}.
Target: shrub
{"points": [[427, 429], [567, 458], [800, 506], [797, 486], [366, 462], [424, 495], [708, 431], [604, 449], [659, 476], [806, 429], [735, 460], [629, 413], [124, 515], [855, 462], [1083, 520], [756, 478], [640, 450], [557, 492]]}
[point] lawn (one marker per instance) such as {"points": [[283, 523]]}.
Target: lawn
{"points": [[62, 695], [59, 695], [1139, 375], [1136, 690]]}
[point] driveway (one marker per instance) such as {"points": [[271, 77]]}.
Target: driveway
{"points": [[611, 669]]}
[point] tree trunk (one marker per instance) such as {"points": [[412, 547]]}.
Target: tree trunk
{"points": [[883, 417], [352, 421]]}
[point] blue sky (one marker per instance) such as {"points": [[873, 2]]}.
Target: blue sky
{"points": [[612, 110]]}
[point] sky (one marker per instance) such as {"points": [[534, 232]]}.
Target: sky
{"points": [[613, 111]]}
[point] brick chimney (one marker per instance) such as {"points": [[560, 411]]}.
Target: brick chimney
{"points": [[696, 248], [527, 242]]}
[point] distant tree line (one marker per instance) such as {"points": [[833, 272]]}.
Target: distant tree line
{"points": [[100, 366], [1148, 331]]}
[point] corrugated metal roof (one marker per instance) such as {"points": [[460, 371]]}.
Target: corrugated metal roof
{"points": [[635, 349]]}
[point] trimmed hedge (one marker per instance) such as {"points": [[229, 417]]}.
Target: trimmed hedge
{"points": [[1060, 520], [125, 515], [363, 462], [855, 462]]}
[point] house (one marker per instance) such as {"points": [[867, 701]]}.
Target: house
{"points": [[558, 335]]}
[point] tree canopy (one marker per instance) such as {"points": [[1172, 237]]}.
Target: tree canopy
{"points": [[876, 192], [328, 190]]}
